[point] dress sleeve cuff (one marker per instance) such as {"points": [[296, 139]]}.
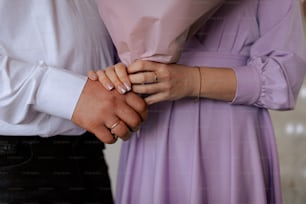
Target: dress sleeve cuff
{"points": [[248, 85], [59, 92]]}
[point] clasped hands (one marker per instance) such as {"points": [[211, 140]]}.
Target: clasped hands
{"points": [[110, 105]]}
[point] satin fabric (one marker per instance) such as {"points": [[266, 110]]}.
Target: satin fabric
{"points": [[213, 152]]}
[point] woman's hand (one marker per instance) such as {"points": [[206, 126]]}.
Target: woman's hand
{"points": [[113, 77], [163, 82], [160, 82]]}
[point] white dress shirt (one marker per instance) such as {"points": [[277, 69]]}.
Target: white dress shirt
{"points": [[46, 49]]}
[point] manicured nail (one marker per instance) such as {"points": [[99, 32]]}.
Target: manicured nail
{"points": [[109, 86], [135, 129], [138, 133], [93, 77], [121, 89], [127, 86]]}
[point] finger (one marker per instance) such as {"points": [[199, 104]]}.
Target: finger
{"points": [[121, 72], [92, 75], [118, 128], [138, 104], [104, 135], [111, 74], [104, 80], [129, 116], [142, 66], [148, 88], [143, 78], [155, 98], [121, 130]]}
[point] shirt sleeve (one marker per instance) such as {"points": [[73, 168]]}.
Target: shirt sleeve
{"points": [[277, 64], [29, 89]]}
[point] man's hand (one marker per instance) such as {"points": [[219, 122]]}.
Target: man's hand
{"points": [[107, 113]]}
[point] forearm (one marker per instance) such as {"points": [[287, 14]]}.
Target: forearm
{"points": [[216, 83], [164, 82]]}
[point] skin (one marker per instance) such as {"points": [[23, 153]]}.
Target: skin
{"points": [[174, 81], [98, 110]]}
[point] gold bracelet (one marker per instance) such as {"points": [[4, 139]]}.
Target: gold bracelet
{"points": [[200, 83]]}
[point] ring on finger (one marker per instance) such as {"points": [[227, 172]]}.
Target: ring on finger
{"points": [[115, 124], [155, 77]]}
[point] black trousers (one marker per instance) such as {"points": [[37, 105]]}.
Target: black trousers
{"points": [[59, 169]]}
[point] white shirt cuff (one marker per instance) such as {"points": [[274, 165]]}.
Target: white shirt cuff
{"points": [[59, 92]]}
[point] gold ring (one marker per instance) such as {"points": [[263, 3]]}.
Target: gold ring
{"points": [[156, 78], [115, 124]]}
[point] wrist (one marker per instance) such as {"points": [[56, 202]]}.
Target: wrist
{"points": [[196, 82]]}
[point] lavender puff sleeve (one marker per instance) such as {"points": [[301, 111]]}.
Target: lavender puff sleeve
{"points": [[277, 65]]}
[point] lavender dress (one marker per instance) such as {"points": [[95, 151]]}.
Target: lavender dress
{"points": [[212, 152]]}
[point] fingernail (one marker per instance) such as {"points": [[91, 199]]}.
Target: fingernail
{"points": [[93, 77], [138, 133], [136, 129], [127, 86], [121, 89], [109, 86]]}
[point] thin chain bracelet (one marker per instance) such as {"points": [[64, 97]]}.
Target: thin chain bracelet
{"points": [[200, 83]]}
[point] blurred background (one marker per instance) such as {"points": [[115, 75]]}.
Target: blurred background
{"points": [[290, 130]]}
